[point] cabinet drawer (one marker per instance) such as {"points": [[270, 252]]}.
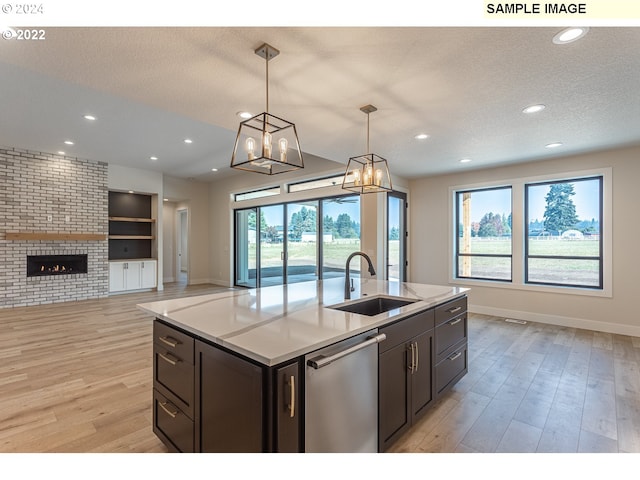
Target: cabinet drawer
{"points": [[452, 368], [404, 329], [450, 333], [174, 341], [451, 309], [174, 378], [172, 424]]}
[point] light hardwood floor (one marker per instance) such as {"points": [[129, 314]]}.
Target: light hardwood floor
{"points": [[77, 377]]}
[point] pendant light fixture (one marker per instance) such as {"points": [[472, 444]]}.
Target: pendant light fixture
{"points": [[367, 173], [265, 143]]}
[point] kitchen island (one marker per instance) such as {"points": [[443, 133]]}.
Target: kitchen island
{"points": [[229, 369]]}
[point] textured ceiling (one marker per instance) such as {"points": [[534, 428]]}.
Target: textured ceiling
{"points": [[465, 86]]}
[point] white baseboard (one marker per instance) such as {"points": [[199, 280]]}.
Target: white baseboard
{"points": [[572, 322]]}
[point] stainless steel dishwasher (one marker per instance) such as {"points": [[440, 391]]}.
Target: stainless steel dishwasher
{"points": [[341, 396]]}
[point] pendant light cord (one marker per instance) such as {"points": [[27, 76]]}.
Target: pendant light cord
{"points": [[267, 82], [368, 151]]}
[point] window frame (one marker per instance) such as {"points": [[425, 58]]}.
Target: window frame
{"points": [[458, 221], [518, 240], [528, 256]]}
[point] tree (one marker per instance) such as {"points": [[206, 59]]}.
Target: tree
{"points": [[491, 225], [251, 220], [560, 212], [394, 233], [344, 226], [302, 221]]}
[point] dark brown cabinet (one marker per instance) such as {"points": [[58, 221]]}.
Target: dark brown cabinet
{"points": [[173, 387], [451, 361], [405, 375], [229, 402], [208, 399], [287, 409], [423, 356]]}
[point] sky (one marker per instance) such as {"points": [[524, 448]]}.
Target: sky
{"points": [[586, 201]]}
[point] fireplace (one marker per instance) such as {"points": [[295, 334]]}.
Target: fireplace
{"points": [[45, 265]]}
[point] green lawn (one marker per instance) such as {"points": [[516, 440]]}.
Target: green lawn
{"points": [[582, 272]]}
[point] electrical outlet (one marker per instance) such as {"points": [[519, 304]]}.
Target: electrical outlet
{"points": [[49, 218]]}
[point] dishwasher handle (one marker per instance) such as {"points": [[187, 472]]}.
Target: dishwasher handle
{"points": [[322, 361]]}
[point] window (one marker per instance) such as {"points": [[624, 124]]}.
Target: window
{"points": [[317, 183], [544, 233], [483, 234], [563, 244], [265, 192]]}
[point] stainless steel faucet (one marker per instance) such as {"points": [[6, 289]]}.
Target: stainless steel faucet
{"points": [[348, 288]]}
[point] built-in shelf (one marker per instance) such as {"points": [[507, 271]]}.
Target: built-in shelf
{"points": [[131, 237], [131, 219], [55, 236], [132, 228]]}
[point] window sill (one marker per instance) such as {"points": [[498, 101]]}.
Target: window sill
{"points": [[605, 293]]}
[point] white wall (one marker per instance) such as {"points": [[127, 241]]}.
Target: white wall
{"points": [[430, 258]]}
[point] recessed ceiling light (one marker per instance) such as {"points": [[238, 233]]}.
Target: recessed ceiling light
{"points": [[553, 145], [89, 117], [569, 35], [421, 136], [534, 108], [214, 169], [188, 140], [166, 199], [465, 160], [153, 158], [130, 191], [244, 115], [68, 142], [60, 152]]}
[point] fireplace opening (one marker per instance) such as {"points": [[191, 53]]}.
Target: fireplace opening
{"points": [[45, 265]]}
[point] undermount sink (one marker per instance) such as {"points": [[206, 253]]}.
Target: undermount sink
{"points": [[375, 305]]}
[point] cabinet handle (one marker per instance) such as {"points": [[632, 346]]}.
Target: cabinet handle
{"points": [[413, 358], [455, 356], [169, 412], [172, 342], [169, 360], [454, 309], [292, 406], [417, 352], [455, 322]]}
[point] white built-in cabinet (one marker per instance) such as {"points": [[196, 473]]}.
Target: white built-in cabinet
{"points": [[126, 275]]}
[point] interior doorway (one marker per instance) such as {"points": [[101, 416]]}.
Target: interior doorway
{"points": [[182, 243]]}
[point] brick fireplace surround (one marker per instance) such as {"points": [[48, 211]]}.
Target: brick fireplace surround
{"points": [[46, 193]]}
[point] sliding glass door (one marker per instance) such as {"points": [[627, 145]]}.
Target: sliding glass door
{"points": [[296, 242], [302, 241], [272, 251], [340, 234], [246, 247], [396, 236]]}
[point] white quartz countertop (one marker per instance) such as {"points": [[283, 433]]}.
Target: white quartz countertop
{"points": [[275, 324]]}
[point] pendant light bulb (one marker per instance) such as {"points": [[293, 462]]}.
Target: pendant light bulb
{"points": [[266, 145], [283, 144], [250, 145]]}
